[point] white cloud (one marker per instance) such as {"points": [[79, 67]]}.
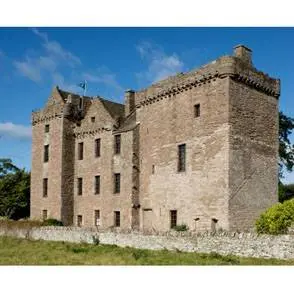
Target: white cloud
{"points": [[35, 68], [160, 64], [15, 131], [58, 79], [106, 78]]}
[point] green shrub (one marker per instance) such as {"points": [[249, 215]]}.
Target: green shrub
{"points": [[181, 228], [52, 222], [277, 219]]}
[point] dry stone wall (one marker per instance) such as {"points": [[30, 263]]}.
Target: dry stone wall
{"points": [[225, 243]]}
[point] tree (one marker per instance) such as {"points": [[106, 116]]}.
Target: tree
{"points": [[286, 153], [286, 149], [14, 190]]}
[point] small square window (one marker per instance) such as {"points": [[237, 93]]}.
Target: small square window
{"points": [[47, 128], [197, 110]]}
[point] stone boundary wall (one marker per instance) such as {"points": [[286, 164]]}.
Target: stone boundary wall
{"points": [[240, 244]]}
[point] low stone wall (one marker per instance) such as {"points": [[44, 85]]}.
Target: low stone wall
{"points": [[240, 244]]}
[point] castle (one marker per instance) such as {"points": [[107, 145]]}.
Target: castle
{"points": [[199, 149]]}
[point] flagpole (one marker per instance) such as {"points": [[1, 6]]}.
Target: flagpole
{"points": [[85, 89]]}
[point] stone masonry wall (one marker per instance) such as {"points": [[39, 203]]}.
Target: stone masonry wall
{"points": [[200, 193], [104, 166], [253, 166], [240, 244]]}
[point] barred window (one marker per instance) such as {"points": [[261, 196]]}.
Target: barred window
{"points": [[182, 157], [80, 186], [79, 220], [46, 128], [45, 187], [97, 184], [97, 147], [81, 150], [197, 110], [117, 142], [173, 218], [46, 153], [97, 217], [44, 214], [117, 218], [116, 183]]}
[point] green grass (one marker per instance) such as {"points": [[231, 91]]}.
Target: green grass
{"points": [[26, 252]]}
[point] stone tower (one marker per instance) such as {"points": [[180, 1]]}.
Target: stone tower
{"points": [[199, 148]]}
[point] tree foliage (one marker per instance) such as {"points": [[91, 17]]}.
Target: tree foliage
{"points": [[14, 190], [277, 219], [286, 149]]}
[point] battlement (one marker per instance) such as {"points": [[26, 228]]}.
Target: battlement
{"points": [[238, 67]]}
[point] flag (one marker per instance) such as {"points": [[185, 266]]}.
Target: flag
{"points": [[83, 85]]}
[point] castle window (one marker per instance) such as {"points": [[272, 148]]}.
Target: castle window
{"points": [[97, 184], [80, 151], [173, 219], [116, 183], [117, 144], [80, 186], [153, 168], [44, 214], [97, 147], [182, 157], [45, 187], [97, 218], [117, 218], [213, 224], [197, 110], [79, 220], [46, 128], [46, 153], [93, 119]]}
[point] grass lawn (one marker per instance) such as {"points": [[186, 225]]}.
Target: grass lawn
{"points": [[26, 252]]}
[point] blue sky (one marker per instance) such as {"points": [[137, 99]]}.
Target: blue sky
{"points": [[33, 60]]}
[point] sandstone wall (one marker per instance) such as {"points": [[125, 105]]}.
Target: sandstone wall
{"points": [[202, 190], [253, 157]]}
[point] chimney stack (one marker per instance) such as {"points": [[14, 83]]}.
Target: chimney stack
{"points": [[244, 53], [129, 101]]}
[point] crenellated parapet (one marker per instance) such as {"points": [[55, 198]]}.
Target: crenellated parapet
{"points": [[44, 117], [235, 67]]}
